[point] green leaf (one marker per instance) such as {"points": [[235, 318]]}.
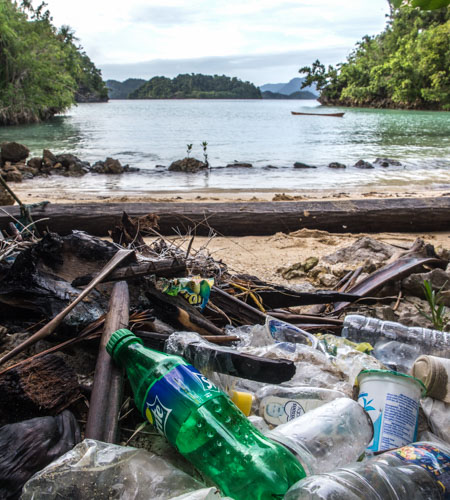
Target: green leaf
{"points": [[429, 4], [396, 3]]}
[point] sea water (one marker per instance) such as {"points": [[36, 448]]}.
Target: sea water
{"points": [[150, 134]]}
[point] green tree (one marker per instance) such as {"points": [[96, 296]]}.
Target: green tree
{"points": [[41, 69], [406, 66]]}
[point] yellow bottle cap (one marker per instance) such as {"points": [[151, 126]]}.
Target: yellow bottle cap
{"points": [[243, 400]]}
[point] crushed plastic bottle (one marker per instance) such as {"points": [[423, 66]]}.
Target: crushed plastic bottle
{"points": [[203, 424], [415, 472], [363, 329], [330, 436], [94, 470]]}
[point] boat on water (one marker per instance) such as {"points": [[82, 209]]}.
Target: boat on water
{"points": [[339, 115]]}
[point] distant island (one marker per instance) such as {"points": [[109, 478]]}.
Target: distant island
{"points": [[198, 86]]}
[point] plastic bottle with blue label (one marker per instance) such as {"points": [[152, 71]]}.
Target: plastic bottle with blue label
{"points": [[203, 423], [415, 472]]}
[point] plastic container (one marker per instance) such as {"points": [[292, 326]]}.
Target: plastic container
{"points": [[362, 329], [330, 436], [392, 401], [419, 471], [203, 423]]}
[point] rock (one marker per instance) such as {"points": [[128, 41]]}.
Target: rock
{"points": [[298, 269], [48, 155], [5, 197], [13, 175], [238, 164], [190, 165], [13, 151], [336, 164], [35, 162], [98, 167], [386, 162], [270, 166], [113, 166], [299, 164], [364, 250], [160, 166], [363, 164], [438, 278]]}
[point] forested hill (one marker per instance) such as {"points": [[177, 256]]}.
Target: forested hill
{"points": [[406, 66], [42, 69], [121, 90], [196, 87]]}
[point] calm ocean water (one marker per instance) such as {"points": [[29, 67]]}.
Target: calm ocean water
{"points": [[147, 133]]}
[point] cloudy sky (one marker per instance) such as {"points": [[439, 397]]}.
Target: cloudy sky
{"points": [[258, 40]]}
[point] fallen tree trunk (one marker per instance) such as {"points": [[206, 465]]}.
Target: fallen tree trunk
{"points": [[252, 218]]}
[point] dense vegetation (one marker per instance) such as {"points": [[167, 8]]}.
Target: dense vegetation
{"points": [[42, 70], [196, 87], [406, 66], [121, 90]]}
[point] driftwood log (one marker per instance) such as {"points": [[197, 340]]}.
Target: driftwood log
{"points": [[251, 218]]}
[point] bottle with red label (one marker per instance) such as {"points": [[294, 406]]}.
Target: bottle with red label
{"points": [[418, 471], [204, 424]]}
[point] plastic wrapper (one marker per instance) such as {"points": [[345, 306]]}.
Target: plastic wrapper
{"points": [[330, 436], [195, 290], [349, 357], [438, 416], [100, 471]]}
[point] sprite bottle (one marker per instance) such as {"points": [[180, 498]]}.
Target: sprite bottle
{"points": [[203, 423]]}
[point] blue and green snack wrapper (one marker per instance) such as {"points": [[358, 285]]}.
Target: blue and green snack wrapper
{"points": [[194, 289]]}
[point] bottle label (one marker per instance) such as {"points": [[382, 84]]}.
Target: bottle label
{"points": [[430, 458], [171, 399], [278, 410]]}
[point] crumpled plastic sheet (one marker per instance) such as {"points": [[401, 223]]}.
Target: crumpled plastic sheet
{"points": [[438, 416], [100, 471]]}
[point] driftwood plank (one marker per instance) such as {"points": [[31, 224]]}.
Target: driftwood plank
{"points": [[258, 218]]}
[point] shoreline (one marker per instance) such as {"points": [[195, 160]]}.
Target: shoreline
{"points": [[223, 195]]}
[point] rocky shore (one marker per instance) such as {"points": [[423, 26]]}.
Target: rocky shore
{"points": [[15, 164]]}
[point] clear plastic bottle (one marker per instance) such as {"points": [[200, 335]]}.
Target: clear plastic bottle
{"points": [[363, 329], [420, 471], [203, 424], [330, 436]]}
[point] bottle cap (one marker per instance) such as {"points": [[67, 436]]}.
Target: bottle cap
{"points": [[118, 339], [243, 400]]}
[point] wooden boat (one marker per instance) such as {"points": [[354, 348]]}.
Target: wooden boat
{"points": [[339, 115]]}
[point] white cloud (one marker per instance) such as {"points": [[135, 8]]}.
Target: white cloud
{"points": [[118, 32]]}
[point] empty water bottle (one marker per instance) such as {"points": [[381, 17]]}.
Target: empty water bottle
{"points": [[362, 329], [415, 472]]}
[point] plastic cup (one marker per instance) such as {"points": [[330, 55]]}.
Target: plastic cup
{"points": [[392, 401]]}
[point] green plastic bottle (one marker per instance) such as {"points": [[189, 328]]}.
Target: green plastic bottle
{"points": [[203, 423]]}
